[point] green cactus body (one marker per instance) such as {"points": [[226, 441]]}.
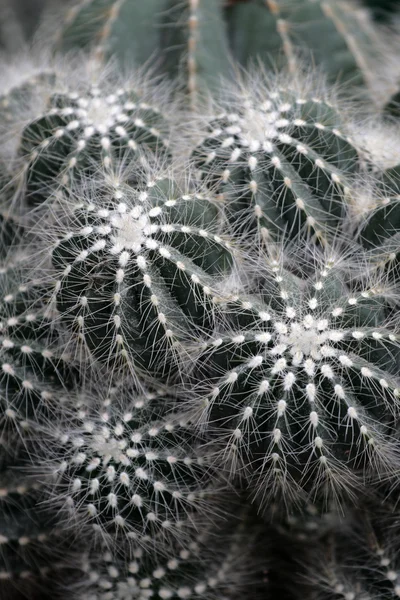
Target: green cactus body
{"points": [[191, 35], [135, 266], [81, 132], [197, 47], [200, 37], [132, 473], [339, 37], [282, 162], [304, 387], [114, 28]]}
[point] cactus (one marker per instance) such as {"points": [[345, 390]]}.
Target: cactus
{"points": [[81, 130], [202, 38], [282, 153], [199, 570], [132, 474], [191, 33], [359, 564], [382, 10], [300, 387], [338, 35], [33, 548], [35, 370], [135, 265]]}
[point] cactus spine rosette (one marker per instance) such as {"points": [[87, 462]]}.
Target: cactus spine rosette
{"points": [[135, 265], [82, 130], [282, 160], [132, 473], [303, 383]]}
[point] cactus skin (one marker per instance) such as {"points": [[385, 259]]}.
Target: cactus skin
{"points": [[131, 473], [80, 132], [200, 37], [339, 37], [198, 51], [282, 155], [135, 266], [191, 35], [381, 9], [114, 28], [300, 387], [11, 232]]}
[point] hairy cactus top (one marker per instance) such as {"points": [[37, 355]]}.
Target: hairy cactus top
{"points": [[135, 263], [303, 387], [81, 131], [130, 472], [282, 160]]}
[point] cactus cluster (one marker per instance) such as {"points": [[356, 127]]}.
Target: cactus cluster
{"points": [[199, 304]]}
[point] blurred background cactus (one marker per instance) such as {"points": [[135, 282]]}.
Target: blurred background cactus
{"points": [[199, 300]]}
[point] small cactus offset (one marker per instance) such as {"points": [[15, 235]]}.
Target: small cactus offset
{"points": [[199, 302]]}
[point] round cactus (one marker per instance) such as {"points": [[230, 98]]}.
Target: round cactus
{"points": [[135, 266], [131, 472], [302, 381], [84, 129], [281, 158]]}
